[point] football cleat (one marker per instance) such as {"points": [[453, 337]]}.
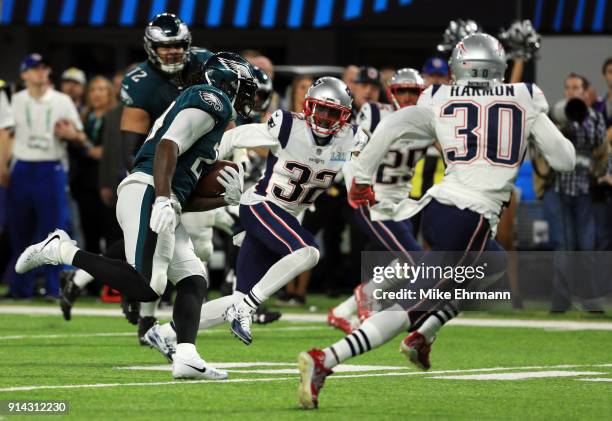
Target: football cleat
{"points": [[341, 323], [47, 252], [69, 293], [144, 324], [312, 377], [364, 310], [195, 368], [130, 309], [416, 349], [155, 339], [263, 316], [240, 322]]}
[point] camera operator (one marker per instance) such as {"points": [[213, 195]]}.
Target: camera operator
{"points": [[574, 221]]}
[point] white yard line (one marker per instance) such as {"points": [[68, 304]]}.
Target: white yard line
{"points": [[321, 318], [272, 379], [522, 375], [112, 334]]}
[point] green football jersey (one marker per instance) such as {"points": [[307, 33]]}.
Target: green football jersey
{"points": [[148, 88], [203, 152]]}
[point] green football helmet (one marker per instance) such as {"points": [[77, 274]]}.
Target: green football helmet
{"points": [[263, 95], [167, 30], [231, 73]]}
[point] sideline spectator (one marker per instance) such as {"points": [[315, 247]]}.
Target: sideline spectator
{"points": [[6, 122], [366, 88], [111, 170], [349, 75], [299, 87], [573, 222], [73, 85], [37, 202], [84, 158], [435, 71]]}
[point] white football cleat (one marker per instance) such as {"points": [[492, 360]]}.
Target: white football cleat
{"points": [[240, 322], [157, 340], [195, 368], [47, 252]]}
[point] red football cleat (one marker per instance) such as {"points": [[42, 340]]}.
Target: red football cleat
{"points": [[339, 322], [417, 350], [364, 309], [312, 377]]}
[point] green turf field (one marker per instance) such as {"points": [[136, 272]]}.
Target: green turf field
{"points": [[84, 362]]}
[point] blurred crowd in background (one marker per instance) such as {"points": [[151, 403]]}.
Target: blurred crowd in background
{"points": [[577, 206]]}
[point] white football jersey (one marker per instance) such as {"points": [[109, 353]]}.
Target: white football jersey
{"points": [[483, 133], [371, 113], [393, 178], [297, 169]]}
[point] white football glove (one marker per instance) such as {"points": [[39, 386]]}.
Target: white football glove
{"points": [[163, 216], [233, 181]]}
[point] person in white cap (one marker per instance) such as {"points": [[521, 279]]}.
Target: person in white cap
{"points": [[73, 85]]}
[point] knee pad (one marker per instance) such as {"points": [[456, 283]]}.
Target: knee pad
{"points": [[311, 256]]}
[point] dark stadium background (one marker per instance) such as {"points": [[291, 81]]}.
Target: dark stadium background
{"points": [[101, 36]]}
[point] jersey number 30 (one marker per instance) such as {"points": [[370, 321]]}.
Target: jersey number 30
{"points": [[499, 135]]}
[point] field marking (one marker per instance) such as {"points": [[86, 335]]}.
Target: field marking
{"points": [[111, 334], [603, 379], [321, 318], [272, 379], [519, 376], [230, 367]]}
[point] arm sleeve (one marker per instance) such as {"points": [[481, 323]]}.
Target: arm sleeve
{"points": [[7, 118], [411, 123], [130, 143], [188, 126], [558, 151], [247, 136]]}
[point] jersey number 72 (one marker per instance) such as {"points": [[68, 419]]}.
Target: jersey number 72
{"points": [[494, 132]]}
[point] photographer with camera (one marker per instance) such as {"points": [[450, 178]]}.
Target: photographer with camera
{"points": [[567, 199]]}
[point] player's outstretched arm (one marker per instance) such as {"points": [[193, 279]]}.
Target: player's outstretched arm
{"points": [[247, 136], [558, 151]]}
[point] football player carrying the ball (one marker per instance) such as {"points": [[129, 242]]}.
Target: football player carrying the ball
{"points": [[180, 146]]}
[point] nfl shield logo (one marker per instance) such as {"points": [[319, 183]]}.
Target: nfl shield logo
{"points": [[318, 151]]}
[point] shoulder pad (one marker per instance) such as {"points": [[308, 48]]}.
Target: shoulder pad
{"points": [[136, 86], [280, 123], [540, 104], [364, 113], [361, 138], [426, 97], [199, 55], [210, 99]]}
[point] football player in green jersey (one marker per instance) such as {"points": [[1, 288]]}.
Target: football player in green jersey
{"points": [[180, 146], [146, 91]]}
